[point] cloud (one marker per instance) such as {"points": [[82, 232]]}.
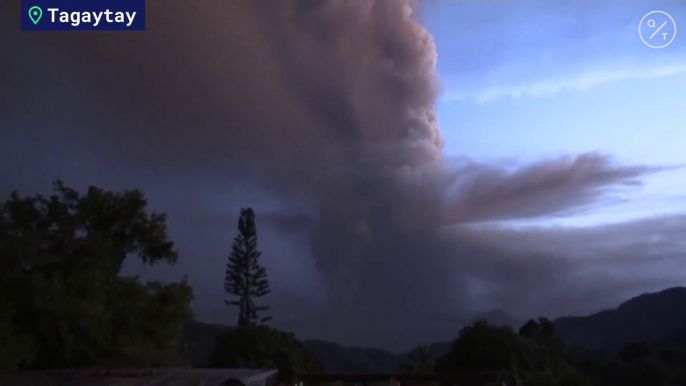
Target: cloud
{"points": [[542, 49], [548, 187], [320, 115], [597, 267], [551, 86]]}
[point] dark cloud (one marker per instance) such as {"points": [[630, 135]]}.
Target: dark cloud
{"points": [[320, 115]]}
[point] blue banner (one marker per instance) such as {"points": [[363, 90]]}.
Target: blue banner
{"points": [[82, 15]]}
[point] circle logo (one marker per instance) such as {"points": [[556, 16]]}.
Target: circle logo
{"points": [[657, 29]]}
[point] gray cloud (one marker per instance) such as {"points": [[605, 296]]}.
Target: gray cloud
{"points": [[544, 188], [591, 267], [320, 115]]}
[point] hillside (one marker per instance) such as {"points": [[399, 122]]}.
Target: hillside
{"points": [[659, 318], [649, 317], [200, 338]]}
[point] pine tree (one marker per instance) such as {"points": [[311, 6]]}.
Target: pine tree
{"points": [[245, 277]]}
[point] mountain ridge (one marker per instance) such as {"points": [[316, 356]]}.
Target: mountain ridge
{"points": [[648, 317], [658, 318]]}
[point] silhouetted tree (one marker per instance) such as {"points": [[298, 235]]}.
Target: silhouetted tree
{"points": [[245, 277], [260, 347], [587, 360], [482, 347], [673, 356], [536, 355], [636, 350], [63, 302], [550, 347], [419, 362]]}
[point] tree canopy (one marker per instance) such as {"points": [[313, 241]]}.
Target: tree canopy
{"points": [[419, 362], [536, 355], [482, 347], [62, 301], [263, 347]]}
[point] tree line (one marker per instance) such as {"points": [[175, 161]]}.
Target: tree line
{"points": [[537, 356], [65, 304]]}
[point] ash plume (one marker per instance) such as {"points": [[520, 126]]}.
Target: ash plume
{"points": [[325, 105]]}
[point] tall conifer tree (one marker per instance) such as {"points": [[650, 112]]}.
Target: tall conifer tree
{"points": [[245, 277]]}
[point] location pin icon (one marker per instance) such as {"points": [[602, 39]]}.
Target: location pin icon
{"points": [[35, 13]]}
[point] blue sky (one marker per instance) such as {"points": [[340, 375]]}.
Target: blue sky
{"points": [[526, 81]]}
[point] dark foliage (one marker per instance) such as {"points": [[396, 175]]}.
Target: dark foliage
{"points": [[483, 348], [199, 339], [245, 277], [420, 362], [639, 364], [586, 359], [635, 351], [535, 356], [62, 301], [260, 347], [339, 359], [551, 351], [546, 360]]}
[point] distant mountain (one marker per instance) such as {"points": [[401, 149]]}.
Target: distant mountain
{"points": [[200, 339], [653, 317], [658, 318]]}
